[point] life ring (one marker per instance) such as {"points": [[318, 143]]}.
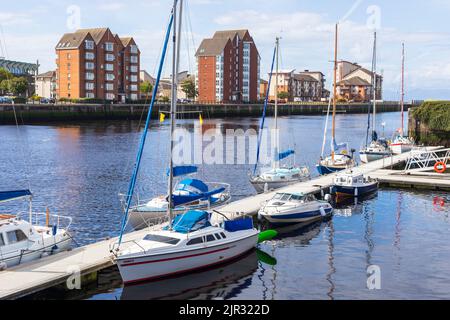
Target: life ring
{"points": [[440, 165]]}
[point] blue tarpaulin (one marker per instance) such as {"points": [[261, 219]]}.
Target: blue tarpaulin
{"points": [[12, 195], [239, 225], [178, 200], [284, 155], [197, 184], [182, 170], [191, 221]]}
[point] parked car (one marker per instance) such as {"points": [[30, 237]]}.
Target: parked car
{"points": [[5, 100]]}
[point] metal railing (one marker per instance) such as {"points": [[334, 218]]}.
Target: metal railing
{"points": [[424, 160]]}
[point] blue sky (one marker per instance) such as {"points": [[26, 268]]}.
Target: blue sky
{"points": [[31, 30]]}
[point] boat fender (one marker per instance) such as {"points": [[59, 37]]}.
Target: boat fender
{"points": [[356, 192], [323, 212], [3, 266], [266, 187], [328, 198]]}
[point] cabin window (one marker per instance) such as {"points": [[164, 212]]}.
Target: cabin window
{"points": [[16, 236], [2, 242], [195, 241], [223, 235], [161, 239], [210, 238], [218, 236]]}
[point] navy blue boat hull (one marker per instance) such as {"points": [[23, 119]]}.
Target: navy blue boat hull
{"points": [[324, 170], [350, 191]]}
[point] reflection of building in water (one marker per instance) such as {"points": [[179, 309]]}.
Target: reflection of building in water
{"points": [[224, 282]]}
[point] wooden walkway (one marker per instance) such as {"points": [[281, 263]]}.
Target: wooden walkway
{"points": [[51, 271]]}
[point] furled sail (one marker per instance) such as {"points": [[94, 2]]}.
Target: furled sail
{"points": [[6, 196]]}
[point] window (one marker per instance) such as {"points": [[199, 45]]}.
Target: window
{"points": [[134, 78], [210, 238], [109, 86], [68, 86], [109, 57], [195, 241], [161, 239], [89, 44], [134, 69], [16, 236], [110, 77], [90, 95], [109, 67], [134, 87], [134, 59], [109, 46], [2, 242], [218, 236], [90, 56], [89, 66], [89, 76], [69, 56], [133, 96], [134, 48], [89, 86], [223, 235], [110, 96]]}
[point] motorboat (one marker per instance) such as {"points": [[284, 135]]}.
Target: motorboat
{"points": [[376, 150], [279, 177], [23, 241], [351, 184], [188, 194], [340, 162], [294, 208], [191, 244]]}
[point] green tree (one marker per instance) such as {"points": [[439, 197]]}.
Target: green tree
{"points": [[5, 86], [188, 87], [5, 74], [146, 87], [283, 95], [19, 85]]}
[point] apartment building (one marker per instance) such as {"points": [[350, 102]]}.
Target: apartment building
{"points": [[354, 83], [45, 85], [228, 68], [95, 63]]}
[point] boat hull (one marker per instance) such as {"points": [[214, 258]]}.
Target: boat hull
{"points": [[360, 191], [153, 267], [324, 170], [399, 148], [367, 157], [297, 217], [260, 186]]}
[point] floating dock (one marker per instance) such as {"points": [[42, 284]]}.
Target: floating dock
{"points": [[27, 279]]}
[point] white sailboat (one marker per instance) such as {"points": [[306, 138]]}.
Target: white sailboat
{"points": [[23, 241], [277, 176], [340, 157], [378, 148], [189, 242], [401, 143]]}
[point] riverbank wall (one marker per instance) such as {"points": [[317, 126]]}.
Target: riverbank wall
{"points": [[35, 113]]}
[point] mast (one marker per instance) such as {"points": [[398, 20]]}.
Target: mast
{"points": [[173, 107], [333, 129], [403, 88], [276, 162], [374, 84]]}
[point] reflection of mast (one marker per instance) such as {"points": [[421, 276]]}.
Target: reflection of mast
{"points": [[397, 220], [332, 269], [274, 278], [368, 236]]}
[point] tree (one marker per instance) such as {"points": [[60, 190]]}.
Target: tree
{"points": [[5, 74], [5, 86], [188, 87], [283, 95], [146, 87], [19, 85]]}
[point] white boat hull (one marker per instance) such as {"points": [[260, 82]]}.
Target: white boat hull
{"points": [[399, 148], [262, 186], [367, 157], [151, 267]]}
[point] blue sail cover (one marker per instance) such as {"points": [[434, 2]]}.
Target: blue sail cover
{"points": [[182, 171], [284, 155], [338, 147], [178, 200], [191, 221], [13, 195], [197, 184]]}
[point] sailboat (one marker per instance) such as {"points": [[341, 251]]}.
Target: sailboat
{"points": [[189, 193], [277, 176], [340, 158], [378, 148], [23, 241], [189, 242], [402, 143]]}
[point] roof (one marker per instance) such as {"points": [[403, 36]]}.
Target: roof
{"points": [[48, 74], [283, 71], [304, 77], [354, 81], [126, 40], [212, 47], [71, 40], [230, 33], [96, 33]]}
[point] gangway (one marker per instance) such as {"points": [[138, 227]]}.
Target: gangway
{"points": [[422, 159]]}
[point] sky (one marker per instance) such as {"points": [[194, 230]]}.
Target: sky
{"points": [[30, 30]]}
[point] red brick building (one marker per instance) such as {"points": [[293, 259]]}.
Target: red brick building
{"points": [[228, 68], [95, 63]]}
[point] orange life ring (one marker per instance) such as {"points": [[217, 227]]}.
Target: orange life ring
{"points": [[442, 165]]}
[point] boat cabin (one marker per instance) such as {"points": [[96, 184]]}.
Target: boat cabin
{"points": [[281, 198]]}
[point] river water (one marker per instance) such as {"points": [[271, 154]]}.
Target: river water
{"points": [[78, 170]]}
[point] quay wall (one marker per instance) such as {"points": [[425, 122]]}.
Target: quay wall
{"points": [[35, 113]]}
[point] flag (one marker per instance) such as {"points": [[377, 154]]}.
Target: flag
{"points": [[162, 117], [201, 120]]}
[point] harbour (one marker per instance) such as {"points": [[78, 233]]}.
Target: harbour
{"points": [[94, 256]]}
